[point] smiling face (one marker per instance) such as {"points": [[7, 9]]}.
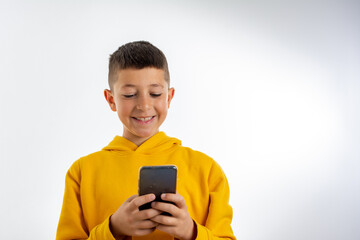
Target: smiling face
{"points": [[141, 98]]}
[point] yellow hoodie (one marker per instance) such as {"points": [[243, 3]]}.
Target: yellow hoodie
{"points": [[96, 185]]}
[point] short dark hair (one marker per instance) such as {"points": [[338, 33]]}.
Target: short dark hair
{"points": [[138, 55]]}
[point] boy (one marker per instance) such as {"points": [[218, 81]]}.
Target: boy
{"points": [[100, 200]]}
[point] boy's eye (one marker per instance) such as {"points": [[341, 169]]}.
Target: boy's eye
{"points": [[155, 94], [129, 95]]}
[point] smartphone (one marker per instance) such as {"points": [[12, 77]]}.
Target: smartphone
{"points": [[157, 180]]}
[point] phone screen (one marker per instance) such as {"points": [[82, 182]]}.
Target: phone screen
{"points": [[157, 180]]}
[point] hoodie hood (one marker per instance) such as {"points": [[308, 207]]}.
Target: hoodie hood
{"points": [[158, 143]]}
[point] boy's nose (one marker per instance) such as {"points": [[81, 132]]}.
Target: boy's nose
{"points": [[144, 103]]}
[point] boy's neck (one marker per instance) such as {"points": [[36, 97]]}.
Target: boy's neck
{"points": [[137, 140]]}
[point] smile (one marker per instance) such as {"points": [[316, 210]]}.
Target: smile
{"points": [[144, 119]]}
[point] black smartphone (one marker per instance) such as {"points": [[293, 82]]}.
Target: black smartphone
{"points": [[157, 180]]}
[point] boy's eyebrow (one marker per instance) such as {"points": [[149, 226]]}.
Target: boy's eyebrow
{"points": [[156, 85], [128, 85], [151, 85]]}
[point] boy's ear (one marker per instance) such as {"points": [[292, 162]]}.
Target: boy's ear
{"points": [[171, 93], [110, 99]]}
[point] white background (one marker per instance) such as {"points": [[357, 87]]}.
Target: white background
{"points": [[269, 89]]}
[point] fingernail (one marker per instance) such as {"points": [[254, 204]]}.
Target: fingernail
{"points": [[163, 195], [152, 197]]}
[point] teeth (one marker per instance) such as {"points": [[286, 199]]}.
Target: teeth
{"points": [[144, 119]]}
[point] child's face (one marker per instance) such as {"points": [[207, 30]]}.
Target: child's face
{"points": [[141, 98]]}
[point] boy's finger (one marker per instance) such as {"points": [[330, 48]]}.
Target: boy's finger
{"points": [[131, 198], [149, 213], [141, 200], [175, 198], [164, 220], [147, 224], [165, 207]]}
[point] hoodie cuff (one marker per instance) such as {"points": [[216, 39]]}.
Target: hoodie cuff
{"points": [[202, 232], [102, 231]]}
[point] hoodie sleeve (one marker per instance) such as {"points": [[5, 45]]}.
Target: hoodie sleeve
{"points": [[71, 223], [218, 223]]}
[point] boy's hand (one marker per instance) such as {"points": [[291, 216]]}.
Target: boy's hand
{"points": [[129, 221], [180, 224]]}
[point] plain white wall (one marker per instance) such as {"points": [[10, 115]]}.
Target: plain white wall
{"points": [[269, 89]]}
